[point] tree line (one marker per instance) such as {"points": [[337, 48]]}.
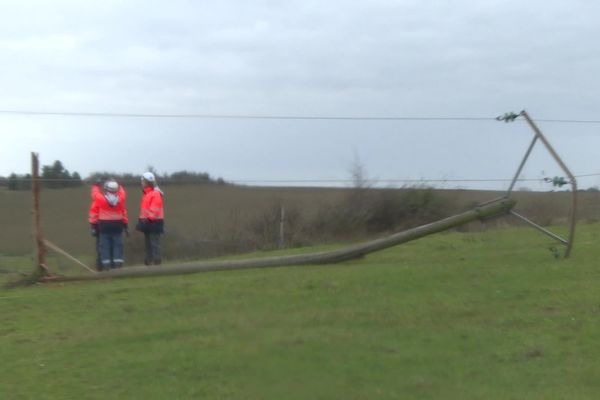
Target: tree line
{"points": [[52, 176], [56, 176]]}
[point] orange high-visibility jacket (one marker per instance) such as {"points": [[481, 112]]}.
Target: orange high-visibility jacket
{"points": [[151, 208], [102, 211]]}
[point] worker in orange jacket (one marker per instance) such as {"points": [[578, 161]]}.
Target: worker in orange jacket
{"points": [[108, 218], [93, 216], [151, 221]]}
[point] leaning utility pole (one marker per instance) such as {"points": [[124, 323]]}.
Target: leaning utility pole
{"points": [[572, 181], [538, 135]]}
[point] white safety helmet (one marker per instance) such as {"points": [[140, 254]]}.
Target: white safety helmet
{"points": [[111, 186], [148, 177]]}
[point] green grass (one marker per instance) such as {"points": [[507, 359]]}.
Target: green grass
{"points": [[455, 316]]}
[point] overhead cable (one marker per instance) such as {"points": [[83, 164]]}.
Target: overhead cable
{"points": [[271, 117], [317, 180]]}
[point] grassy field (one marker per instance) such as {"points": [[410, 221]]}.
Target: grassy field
{"points": [[490, 315]]}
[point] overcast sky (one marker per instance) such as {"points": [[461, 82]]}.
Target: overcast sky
{"points": [[406, 58]]}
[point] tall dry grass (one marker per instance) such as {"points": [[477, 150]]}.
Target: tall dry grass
{"points": [[209, 220]]}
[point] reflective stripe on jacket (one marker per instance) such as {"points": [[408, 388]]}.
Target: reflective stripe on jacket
{"points": [[101, 211], [151, 207]]}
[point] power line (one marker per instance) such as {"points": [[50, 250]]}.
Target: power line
{"points": [[375, 180], [570, 121], [168, 181], [437, 180], [586, 175], [239, 116], [271, 117]]}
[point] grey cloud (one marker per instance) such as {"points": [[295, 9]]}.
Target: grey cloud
{"points": [[375, 58]]}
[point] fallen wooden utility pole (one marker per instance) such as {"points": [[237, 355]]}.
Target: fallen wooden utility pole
{"points": [[489, 210]]}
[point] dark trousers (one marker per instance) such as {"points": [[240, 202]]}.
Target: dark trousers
{"points": [[111, 249], [152, 241], [98, 258]]}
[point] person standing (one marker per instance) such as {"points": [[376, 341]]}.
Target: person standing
{"points": [[108, 215], [151, 221]]}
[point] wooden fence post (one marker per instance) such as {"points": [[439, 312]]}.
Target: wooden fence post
{"points": [[282, 227], [40, 268]]}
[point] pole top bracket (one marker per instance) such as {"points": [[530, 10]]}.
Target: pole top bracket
{"points": [[509, 117]]}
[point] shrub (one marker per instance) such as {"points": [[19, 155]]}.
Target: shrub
{"points": [[371, 211], [264, 230]]}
